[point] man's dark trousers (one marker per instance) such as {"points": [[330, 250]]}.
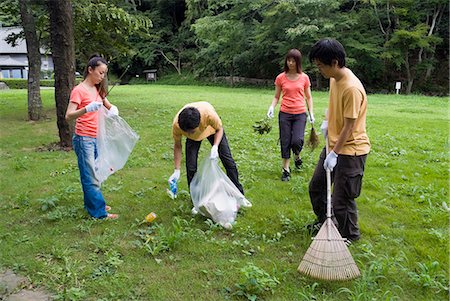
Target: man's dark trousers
{"points": [[347, 178], [192, 148]]}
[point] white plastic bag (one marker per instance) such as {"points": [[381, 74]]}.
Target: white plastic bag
{"points": [[115, 141], [214, 195]]}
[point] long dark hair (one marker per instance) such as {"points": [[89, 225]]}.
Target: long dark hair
{"points": [[93, 62], [297, 56]]}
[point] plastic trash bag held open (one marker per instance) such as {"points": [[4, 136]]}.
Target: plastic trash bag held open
{"points": [[115, 141], [214, 195]]}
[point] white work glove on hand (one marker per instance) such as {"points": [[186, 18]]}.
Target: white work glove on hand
{"points": [[330, 161], [311, 118], [175, 176], [270, 112], [214, 152], [113, 111], [93, 106], [324, 128]]}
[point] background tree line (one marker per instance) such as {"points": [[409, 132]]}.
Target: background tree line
{"points": [[386, 40]]}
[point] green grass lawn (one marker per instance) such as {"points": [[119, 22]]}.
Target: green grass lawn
{"points": [[46, 235]]}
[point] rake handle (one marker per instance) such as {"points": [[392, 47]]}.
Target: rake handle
{"points": [[328, 175]]}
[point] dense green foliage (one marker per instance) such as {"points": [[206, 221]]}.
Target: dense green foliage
{"points": [[46, 235], [386, 41]]}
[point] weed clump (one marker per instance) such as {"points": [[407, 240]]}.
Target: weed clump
{"points": [[264, 126]]}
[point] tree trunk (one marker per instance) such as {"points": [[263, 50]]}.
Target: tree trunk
{"points": [[63, 52], [34, 61], [176, 65], [409, 75]]}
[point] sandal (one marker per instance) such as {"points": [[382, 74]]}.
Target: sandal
{"points": [[112, 216], [107, 208]]}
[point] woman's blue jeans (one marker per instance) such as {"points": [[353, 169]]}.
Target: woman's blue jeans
{"points": [[86, 150]]}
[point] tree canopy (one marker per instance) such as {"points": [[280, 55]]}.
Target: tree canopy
{"points": [[385, 40]]}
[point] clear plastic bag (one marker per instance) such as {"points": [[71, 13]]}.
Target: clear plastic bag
{"points": [[214, 195], [115, 141]]}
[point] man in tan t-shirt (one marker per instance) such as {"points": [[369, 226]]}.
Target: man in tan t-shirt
{"points": [[349, 144], [197, 121]]}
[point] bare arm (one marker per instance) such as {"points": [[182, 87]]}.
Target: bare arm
{"points": [[72, 112], [218, 136], [106, 103], [345, 134], [309, 100], [276, 98], [177, 153]]}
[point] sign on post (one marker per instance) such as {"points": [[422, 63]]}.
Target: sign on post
{"points": [[398, 86], [150, 75]]}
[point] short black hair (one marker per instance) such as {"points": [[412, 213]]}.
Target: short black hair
{"points": [[326, 50], [189, 119]]}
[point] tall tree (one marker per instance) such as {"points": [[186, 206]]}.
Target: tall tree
{"points": [[169, 43], [409, 30], [9, 13], [34, 60], [63, 51], [105, 27]]}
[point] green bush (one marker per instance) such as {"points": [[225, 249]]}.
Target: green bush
{"points": [[15, 83], [21, 83]]}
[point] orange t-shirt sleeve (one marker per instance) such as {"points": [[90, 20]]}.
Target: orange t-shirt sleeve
{"points": [[278, 80], [214, 120], [76, 97], [352, 103], [307, 81]]}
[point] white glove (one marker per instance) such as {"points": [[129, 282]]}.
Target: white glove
{"points": [[324, 128], [330, 161], [175, 176], [311, 118], [93, 106], [113, 111], [214, 152], [270, 112]]}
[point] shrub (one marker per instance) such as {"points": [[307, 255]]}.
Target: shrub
{"points": [[22, 83]]}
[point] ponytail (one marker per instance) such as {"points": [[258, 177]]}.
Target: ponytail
{"points": [[93, 62]]}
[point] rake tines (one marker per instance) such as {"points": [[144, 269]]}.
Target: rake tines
{"points": [[328, 257]]}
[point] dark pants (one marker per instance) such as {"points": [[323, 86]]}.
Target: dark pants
{"points": [[292, 133], [192, 148], [347, 177]]}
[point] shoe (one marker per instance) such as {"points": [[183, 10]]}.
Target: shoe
{"points": [[246, 203], [285, 176], [314, 228], [107, 208], [350, 240], [298, 163], [112, 216]]}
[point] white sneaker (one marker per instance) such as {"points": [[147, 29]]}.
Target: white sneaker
{"points": [[228, 226], [246, 203]]}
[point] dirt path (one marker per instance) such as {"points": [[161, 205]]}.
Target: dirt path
{"points": [[18, 288]]}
